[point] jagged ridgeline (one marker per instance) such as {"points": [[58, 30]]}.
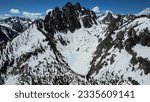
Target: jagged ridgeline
{"points": [[68, 18], [71, 45]]}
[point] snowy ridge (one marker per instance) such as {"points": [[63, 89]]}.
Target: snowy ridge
{"points": [[118, 65], [35, 59]]}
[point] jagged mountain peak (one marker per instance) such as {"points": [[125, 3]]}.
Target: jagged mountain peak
{"points": [[69, 18], [109, 17], [69, 5]]}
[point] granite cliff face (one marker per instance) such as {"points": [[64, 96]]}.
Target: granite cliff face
{"points": [[71, 45]]}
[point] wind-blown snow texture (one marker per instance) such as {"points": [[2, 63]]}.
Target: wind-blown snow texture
{"points": [[72, 46]]}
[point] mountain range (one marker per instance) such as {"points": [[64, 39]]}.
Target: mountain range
{"points": [[74, 46]]}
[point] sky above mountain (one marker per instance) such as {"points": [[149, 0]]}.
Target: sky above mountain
{"points": [[38, 8]]}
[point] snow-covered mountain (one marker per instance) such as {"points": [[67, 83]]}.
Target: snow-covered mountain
{"points": [[16, 23], [72, 46], [145, 12], [6, 34]]}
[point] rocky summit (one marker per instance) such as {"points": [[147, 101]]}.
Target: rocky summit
{"points": [[73, 46]]}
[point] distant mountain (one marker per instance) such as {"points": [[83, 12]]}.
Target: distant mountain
{"points": [[16, 23], [71, 45], [145, 12], [7, 34]]}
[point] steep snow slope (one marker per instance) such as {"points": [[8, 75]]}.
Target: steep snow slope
{"points": [[120, 63], [78, 52], [35, 62]]}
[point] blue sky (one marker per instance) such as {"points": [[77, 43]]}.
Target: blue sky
{"points": [[40, 6]]}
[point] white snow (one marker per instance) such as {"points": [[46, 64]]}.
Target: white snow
{"points": [[142, 51], [139, 23], [28, 41], [11, 80], [5, 24], [101, 17], [83, 43], [146, 11], [78, 62], [144, 23]]}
